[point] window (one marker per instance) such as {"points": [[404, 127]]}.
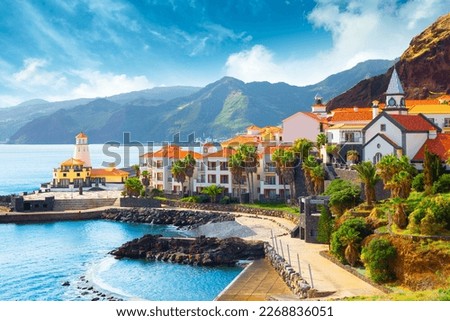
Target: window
{"points": [[212, 179], [223, 179], [223, 166], [349, 137], [377, 158], [382, 127], [446, 122], [159, 176], [78, 174], [269, 180], [212, 165], [64, 175]]}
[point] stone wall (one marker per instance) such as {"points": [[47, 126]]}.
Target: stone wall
{"points": [[233, 208], [139, 202], [298, 285]]}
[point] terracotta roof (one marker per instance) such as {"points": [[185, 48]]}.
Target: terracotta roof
{"points": [[271, 129], [101, 172], [226, 152], [81, 135], [349, 114], [72, 162], [241, 139], [253, 127], [413, 122], [414, 102], [439, 146], [172, 152], [313, 115]]}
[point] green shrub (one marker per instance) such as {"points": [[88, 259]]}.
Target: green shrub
{"points": [[191, 199], [442, 185], [418, 183], [343, 196], [340, 238], [431, 216], [325, 225], [225, 200], [378, 257]]}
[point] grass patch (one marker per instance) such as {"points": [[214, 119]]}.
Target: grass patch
{"points": [[274, 206], [401, 294]]}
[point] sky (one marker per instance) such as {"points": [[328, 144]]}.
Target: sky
{"points": [[59, 50]]}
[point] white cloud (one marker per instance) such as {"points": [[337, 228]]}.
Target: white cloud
{"points": [[34, 76], [97, 84], [360, 30]]}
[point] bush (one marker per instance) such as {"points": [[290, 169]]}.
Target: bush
{"points": [[326, 225], [225, 200], [431, 216], [418, 183], [191, 199], [378, 257], [343, 196], [339, 239], [442, 185]]}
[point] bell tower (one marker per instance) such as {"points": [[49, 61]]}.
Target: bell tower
{"points": [[81, 150], [395, 96]]}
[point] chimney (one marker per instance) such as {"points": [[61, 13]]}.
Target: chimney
{"points": [[375, 108]]}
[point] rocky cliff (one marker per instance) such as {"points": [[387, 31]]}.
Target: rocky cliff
{"points": [[423, 69]]}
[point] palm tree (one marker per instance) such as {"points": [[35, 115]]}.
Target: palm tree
{"points": [[318, 179], [137, 170], [236, 166], [302, 147], [307, 166], [367, 173], [400, 184], [212, 191], [178, 171], [277, 158], [350, 241], [250, 158], [387, 167], [189, 165], [321, 140], [145, 181]]}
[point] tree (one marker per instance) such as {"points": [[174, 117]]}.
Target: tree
{"points": [[325, 226], [367, 173], [212, 191], [321, 140], [377, 257], [397, 174], [285, 162], [343, 196], [189, 166], [178, 171], [432, 170], [137, 170], [350, 241], [318, 178], [145, 181], [250, 160], [236, 166], [308, 165], [133, 187], [302, 147]]}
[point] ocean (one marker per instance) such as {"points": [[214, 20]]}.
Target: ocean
{"points": [[36, 259]]}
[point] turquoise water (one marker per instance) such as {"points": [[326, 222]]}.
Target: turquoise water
{"points": [[36, 259]]}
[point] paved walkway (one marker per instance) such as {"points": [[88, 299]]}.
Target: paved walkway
{"points": [[327, 277], [258, 282]]}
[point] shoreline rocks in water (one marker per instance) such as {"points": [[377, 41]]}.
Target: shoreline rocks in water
{"points": [[202, 251], [181, 218]]}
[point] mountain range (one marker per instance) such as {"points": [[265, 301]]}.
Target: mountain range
{"points": [[219, 110], [423, 68]]}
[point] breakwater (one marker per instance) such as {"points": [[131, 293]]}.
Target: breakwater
{"points": [[178, 217], [201, 251]]}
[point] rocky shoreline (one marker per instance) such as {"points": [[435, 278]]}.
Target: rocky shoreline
{"points": [[187, 219], [201, 251]]}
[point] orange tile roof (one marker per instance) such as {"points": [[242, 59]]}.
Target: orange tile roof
{"points": [[414, 102], [101, 172], [172, 152], [72, 162], [226, 152], [349, 114], [253, 127], [241, 139], [81, 135], [439, 146], [413, 122]]}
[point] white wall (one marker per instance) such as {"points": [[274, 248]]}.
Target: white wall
{"points": [[392, 131], [413, 143], [372, 148]]}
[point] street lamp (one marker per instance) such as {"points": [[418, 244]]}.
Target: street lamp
{"points": [[71, 190]]}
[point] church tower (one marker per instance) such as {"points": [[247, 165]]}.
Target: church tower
{"points": [[81, 150], [319, 108], [395, 97]]}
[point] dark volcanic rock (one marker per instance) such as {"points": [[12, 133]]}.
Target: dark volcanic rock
{"points": [[199, 251], [177, 217]]}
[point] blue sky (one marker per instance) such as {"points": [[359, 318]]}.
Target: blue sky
{"points": [[57, 50]]}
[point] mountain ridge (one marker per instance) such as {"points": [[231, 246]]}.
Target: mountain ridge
{"points": [[219, 110]]}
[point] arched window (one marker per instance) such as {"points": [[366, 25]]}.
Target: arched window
{"points": [[377, 158]]}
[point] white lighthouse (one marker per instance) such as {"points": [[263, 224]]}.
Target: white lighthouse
{"points": [[81, 150]]}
